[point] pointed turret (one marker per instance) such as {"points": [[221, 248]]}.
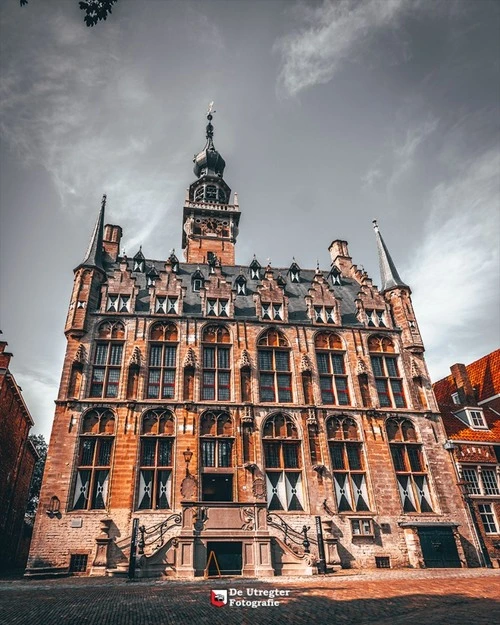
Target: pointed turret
{"points": [[388, 272], [93, 258]]}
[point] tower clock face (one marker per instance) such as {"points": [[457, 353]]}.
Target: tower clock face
{"points": [[212, 226]]}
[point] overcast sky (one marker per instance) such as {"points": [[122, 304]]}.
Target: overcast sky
{"points": [[329, 114]]}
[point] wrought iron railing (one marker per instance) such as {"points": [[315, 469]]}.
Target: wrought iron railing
{"points": [[156, 536], [298, 541]]}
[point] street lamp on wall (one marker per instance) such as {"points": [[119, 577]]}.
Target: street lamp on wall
{"points": [[188, 454], [53, 508]]}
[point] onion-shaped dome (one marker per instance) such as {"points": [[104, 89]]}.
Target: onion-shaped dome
{"points": [[209, 161]]}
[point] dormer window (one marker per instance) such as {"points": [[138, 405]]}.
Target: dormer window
{"points": [[175, 262], [255, 269], [455, 398], [334, 276], [152, 276], [118, 303], [138, 265], [323, 314], [217, 308], [241, 286], [166, 305], [473, 417], [273, 312], [197, 281], [294, 272], [476, 418]]}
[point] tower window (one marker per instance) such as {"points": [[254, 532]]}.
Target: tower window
{"points": [[210, 193]]}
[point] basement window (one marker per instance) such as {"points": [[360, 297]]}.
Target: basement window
{"points": [[382, 562], [78, 563]]}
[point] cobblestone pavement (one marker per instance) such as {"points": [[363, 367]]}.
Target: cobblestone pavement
{"points": [[430, 597]]}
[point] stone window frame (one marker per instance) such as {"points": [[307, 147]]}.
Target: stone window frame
{"points": [[93, 461], [286, 488], [165, 366], [214, 374], [387, 372], [348, 462], [282, 392], [108, 356], [409, 465], [158, 426], [334, 351]]}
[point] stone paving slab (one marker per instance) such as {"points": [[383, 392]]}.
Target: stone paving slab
{"points": [[395, 597]]}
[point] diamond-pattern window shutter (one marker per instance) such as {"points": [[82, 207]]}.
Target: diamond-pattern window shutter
{"points": [[160, 305], [145, 488], [276, 493], [294, 495], [343, 492], [81, 490], [112, 303]]}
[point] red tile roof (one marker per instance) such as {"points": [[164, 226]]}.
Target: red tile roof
{"points": [[457, 430], [484, 375]]}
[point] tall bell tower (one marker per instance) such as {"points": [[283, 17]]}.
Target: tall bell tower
{"points": [[210, 221]]}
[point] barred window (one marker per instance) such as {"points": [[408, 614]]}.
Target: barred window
{"points": [[408, 461], [331, 368], [274, 368], [162, 361], [348, 465], [282, 457], [94, 460], [156, 460], [216, 375], [388, 380], [106, 370]]}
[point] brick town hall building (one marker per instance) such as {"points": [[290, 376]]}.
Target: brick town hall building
{"points": [[227, 407]]}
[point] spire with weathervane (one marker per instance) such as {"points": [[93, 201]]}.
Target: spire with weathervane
{"points": [[398, 295], [388, 272], [210, 222]]}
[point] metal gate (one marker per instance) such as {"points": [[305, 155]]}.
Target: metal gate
{"points": [[439, 547]]}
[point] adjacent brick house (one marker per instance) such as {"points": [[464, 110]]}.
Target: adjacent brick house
{"points": [[469, 401], [235, 410], [17, 461]]}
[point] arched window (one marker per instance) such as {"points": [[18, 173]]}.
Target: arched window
{"points": [[108, 356], [409, 465], [162, 361], [94, 460], [385, 369], [282, 456], [348, 465], [331, 367], [156, 460], [216, 378], [275, 378], [216, 453]]}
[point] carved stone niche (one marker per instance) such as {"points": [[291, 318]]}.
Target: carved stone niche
{"points": [[259, 488], [189, 488]]}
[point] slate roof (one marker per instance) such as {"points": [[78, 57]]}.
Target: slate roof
{"points": [[346, 293]]}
